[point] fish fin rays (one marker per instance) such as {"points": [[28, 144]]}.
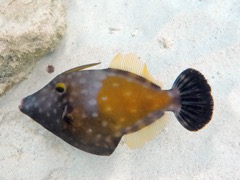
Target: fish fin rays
{"points": [[133, 64], [129, 62], [138, 139]]}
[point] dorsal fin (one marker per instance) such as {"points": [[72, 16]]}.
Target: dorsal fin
{"points": [[133, 64], [139, 138], [79, 68]]}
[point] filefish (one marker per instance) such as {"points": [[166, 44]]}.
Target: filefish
{"points": [[92, 109]]}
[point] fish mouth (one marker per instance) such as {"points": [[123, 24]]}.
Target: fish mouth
{"points": [[25, 106], [20, 106]]}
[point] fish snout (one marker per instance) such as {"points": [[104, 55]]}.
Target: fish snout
{"points": [[20, 106], [26, 105]]}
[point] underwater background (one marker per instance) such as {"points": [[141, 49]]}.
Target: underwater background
{"points": [[169, 36]]}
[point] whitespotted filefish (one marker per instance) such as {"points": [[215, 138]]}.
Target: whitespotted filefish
{"points": [[93, 109]]}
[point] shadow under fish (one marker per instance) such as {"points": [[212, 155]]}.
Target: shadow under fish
{"points": [[93, 109]]}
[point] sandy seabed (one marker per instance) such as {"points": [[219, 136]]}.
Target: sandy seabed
{"points": [[170, 36]]}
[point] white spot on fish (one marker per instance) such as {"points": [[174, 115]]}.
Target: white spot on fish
{"points": [[82, 81], [84, 91], [55, 99], [150, 115], [149, 96], [111, 74], [33, 98], [55, 111], [108, 109], [51, 95], [89, 130], [79, 75], [108, 139], [45, 90], [147, 85], [69, 76], [48, 115], [104, 123], [128, 93], [83, 115], [71, 100], [122, 119], [27, 106], [43, 99], [36, 104], [94, 114], [98, 136], [92, 102], [105, 145], [76, 144], [104, 98], [74, 93], [64, 100], [40, 110], [97, 84], [129, 79], [72, 83], [118, 134], [133, 110], [86, 72], [101, 76], [128, 129], [116, 84], [174, 108], [58, 121], [49, 104], [59, 104]]}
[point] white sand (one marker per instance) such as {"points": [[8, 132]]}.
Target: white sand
{"points": [[170, 36]]}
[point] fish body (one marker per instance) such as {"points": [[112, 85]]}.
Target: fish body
{"points": [[93, 109]]}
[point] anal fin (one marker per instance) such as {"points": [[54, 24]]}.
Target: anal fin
{"points": [[139, 138]]}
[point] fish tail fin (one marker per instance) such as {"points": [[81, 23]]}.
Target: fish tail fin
{"points": [[193, 102]]}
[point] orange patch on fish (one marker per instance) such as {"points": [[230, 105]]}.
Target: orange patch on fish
{"points": [[122, 96]]}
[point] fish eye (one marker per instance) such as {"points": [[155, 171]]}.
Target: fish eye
{"points": [[60, 87]]}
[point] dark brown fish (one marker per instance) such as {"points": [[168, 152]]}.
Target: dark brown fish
{"points": [[93, 109]]}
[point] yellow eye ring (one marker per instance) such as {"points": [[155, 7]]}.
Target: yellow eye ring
{"points": [[60, 87]]}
